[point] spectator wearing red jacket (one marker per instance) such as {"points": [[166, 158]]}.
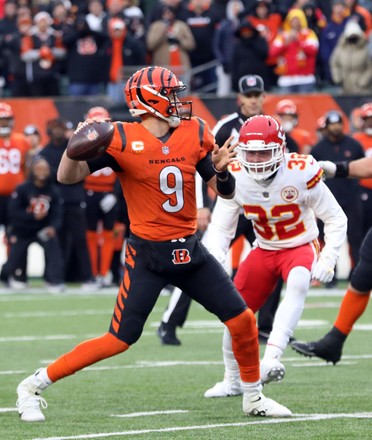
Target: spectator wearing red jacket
{"points": [[296, 48]]}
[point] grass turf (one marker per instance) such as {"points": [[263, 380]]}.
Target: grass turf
{"points": [[168, 383]]}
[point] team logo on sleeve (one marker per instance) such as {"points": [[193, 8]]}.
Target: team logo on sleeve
{"points": [[289, 193], [181, 256]]}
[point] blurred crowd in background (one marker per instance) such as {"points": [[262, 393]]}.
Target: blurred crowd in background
{"points": [[75, 48]]}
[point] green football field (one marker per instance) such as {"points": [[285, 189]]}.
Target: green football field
{"points": [[156, 392]]}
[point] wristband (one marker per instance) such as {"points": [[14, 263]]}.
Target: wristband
{"points": [[221, 175], [226, 186], [342, 169]]}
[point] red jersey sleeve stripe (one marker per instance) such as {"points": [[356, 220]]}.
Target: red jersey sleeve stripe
{"points": [[316, 179]]}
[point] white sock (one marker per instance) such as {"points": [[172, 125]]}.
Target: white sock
{"points": [[232, 373], [289, 312], [252, 389], [44, 379]]}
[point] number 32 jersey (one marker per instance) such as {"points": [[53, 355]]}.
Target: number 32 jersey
{"points": [[283, 211]]}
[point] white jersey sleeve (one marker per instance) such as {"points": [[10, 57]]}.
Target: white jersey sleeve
{"points": [[327, 209], [222, 228]]}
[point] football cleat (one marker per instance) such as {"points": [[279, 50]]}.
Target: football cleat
{"points": [[224, 389], [167, 334], [271, 370], [329, 347], [29, 402], [262, 406]]}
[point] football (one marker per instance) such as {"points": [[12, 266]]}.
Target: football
{"points": [[90, 140]]}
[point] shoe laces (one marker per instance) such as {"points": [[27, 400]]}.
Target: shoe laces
{"points": [[31, 402]]}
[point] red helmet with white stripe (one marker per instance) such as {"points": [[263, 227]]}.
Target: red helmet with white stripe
{"points": [[261, 146], [366, 110]]}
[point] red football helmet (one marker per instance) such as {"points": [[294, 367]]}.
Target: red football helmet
{"points": [[261, 137], [286, 107], [6, 119], [154, 90], [366, 110], [97, 112]]}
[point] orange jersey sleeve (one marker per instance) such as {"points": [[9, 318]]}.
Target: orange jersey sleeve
{"points": [[13, 152], [101, 181], [366, 142], [158, 178]]}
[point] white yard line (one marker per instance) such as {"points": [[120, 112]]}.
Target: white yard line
{"points": [[150, 413], [295, 419]]}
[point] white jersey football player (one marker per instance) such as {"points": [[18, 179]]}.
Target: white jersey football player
{"points": [[283, 194]]}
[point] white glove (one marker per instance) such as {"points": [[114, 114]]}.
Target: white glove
{"points": [[107, 202], [328, 167], [323, 271]]}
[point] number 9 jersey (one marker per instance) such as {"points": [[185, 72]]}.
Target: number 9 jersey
{"points": [[158, 176]]}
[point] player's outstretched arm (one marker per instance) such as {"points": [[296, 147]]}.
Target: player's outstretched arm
{"points": [[357, 169], [71, 171], [361, 168]]}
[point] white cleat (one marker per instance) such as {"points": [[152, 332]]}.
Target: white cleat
{"points": [[271, 371], [224, 389], [29, 402], [264, 407]]}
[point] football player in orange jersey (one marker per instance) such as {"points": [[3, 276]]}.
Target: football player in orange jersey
{"points": [[101, 214], [287, 113], [14, 148], [364, 136], [156, 161], [13, 152]]}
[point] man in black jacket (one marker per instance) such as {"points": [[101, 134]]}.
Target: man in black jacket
{"points": [[35, 214], [73, 232]]}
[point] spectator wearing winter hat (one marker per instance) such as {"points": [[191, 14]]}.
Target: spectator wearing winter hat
{"points": [[267, 21], [170, 40], [224, 39], [296, 48], [249, 54], [126, 52], [351, 67], [42, 51], [330, 35]]}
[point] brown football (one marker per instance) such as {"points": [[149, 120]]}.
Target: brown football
{"points": [[90, 140]]}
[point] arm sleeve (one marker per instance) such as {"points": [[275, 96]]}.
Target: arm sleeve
{"points": [[106, 160], [327, 209], [222, 228]]}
